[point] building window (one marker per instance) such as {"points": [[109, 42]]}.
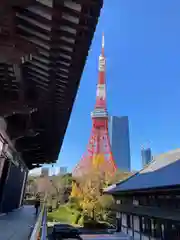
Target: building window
{"points": [[135, 202], [118, 201], [118, 215], [143, 201]]}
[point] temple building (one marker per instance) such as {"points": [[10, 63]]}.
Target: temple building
{"points": [[148, 203], [44, 45]]}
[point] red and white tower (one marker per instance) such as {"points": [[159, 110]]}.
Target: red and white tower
{"points": [[98, 155]]}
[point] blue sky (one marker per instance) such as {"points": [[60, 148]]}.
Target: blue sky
{"points": [[142, 47]]}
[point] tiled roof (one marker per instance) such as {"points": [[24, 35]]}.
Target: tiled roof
{"points": [[161, 172]]}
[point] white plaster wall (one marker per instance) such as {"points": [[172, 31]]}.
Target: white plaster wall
{"points": [[124, 219], [130, 232], [136, 236], [136, 223]]}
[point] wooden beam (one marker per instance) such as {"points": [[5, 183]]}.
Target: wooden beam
{"points": [[10, 108], [11, 3]]}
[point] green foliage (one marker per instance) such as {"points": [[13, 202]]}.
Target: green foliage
{"points": [[106, 201], [64, 214], [119, 176], [89, 207], [81, 221], [78, 217], [67, 178], [74, 203], [51, 218], [94, 204]]}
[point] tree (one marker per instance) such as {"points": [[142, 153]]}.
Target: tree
{"points": [[62, 188], [31, 187], [119, 176], [89, 191]]}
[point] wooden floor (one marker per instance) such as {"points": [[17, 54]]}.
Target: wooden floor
{"points": [[17, 224]]}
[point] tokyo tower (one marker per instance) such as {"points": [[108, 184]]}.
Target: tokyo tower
{"points": [[98, 156]]}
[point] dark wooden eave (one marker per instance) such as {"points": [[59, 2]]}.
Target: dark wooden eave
{"points": [[153, 212], [39, 84]]}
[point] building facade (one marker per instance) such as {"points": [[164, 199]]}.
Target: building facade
{"points": [[45, 171], [146, 156], [62, 170], [13, 176], [119, 140], [148, 216], [148, 203]]}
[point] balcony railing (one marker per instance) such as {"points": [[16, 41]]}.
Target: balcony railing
{"points": [[40, 229]]}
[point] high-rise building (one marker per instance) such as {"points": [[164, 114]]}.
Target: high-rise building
{"points": [[62, 170], [45, 171], [119, 139], [146, 156]]}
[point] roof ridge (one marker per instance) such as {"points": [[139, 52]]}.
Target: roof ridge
{"points": [[134, 175], [169, 152]]}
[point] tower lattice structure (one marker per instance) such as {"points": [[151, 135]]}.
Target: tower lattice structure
{"points": [[98, 156]]}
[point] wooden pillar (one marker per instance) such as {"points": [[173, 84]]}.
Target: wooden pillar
{"points": [[162, 231], [149, 228], [153, 227], [118, 222], [168, 230], [4, 178], [132, 220], [148, 224], [140, 227], [126, 223], [23, 188]]}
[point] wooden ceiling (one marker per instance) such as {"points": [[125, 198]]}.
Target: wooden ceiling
{"points": [[43, 49]]}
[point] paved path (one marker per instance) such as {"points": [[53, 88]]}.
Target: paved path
{"points": [[17, 225]]}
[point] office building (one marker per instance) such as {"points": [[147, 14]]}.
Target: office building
{"points": [[119, 139], [146, 156], [45, 171], [62, 170]]}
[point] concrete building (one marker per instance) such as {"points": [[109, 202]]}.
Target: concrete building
{"points": [[45, 171], [62, 170], [119, 139], [146, 156]]}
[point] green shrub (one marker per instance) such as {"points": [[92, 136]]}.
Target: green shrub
{"points": [[81, 221], [50, 218], [73, 203], [78, 216], [64, 214]]}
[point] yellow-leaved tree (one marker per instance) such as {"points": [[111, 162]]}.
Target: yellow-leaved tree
{"points": [[88, 191]]}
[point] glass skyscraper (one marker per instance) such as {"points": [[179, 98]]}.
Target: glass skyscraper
{"points": [[119, 139], [146, 156]]}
